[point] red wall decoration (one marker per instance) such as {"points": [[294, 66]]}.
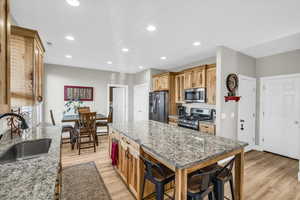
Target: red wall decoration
{"points": [[78, 93]]}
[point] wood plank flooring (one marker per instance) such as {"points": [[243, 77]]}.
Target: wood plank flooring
{"points": [[267, 176]]}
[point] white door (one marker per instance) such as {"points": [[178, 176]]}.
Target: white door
{"points": [[281, 110], [119, 105], [141, 102], [247, 110]]}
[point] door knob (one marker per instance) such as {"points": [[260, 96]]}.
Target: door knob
{"points": [[296, 122]]}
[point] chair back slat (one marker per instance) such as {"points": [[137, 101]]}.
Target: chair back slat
{"points": [[149, 166], [228, 166], [52, 118], [205, 179], [85, 109], [87, 122]]}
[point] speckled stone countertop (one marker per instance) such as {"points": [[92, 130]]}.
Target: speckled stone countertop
{"points": [[179, 147], [34, 178]]}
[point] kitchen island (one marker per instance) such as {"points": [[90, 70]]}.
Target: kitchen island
{"points": [[34, 178], [180, 149]]}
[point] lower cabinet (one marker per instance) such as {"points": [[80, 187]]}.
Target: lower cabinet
{"points": [[133, 167], [130, 167], [207, 128], [128, 164]]}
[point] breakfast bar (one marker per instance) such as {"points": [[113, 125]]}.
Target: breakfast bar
{"points": [[181, 150]]}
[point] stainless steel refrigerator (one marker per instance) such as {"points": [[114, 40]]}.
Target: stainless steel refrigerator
{"points": [[159, 106]]}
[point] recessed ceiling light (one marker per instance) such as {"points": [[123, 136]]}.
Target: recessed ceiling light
{"points": [[151, 28], [68, 56], [197, 43], [163, 58], [74, 3], [141, 67], [109, 62], [70, 37], [125, 50]]}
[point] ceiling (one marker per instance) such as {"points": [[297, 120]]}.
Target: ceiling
{"points": [[103, 27]]}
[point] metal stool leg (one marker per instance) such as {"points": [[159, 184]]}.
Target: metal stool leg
{"points": [[232, 189], [159, 191]]}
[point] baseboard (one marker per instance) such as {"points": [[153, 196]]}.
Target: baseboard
{"points": [[257, 148]]}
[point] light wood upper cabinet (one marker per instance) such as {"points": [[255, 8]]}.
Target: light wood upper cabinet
{"points": [[211, 85], [195, 78], [179, 88], [161, 82], [188, 79], [199, 77], [166, 82], [4, 56], [27, 66]]}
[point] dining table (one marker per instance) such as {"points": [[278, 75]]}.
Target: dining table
{"points": [[75, 118]]}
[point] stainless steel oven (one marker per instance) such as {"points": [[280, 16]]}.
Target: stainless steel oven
{"points": [[197, 95]]}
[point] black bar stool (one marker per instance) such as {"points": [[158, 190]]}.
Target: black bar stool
{"points": [[222, 176], [200, 185], [159, 175]]}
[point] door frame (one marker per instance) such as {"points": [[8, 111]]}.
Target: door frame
{"points": [[248, 148], [147, 105], [262, 80], [126, 97]]}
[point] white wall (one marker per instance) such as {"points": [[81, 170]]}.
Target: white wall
{"points": [[57, 76], [229, 61]]}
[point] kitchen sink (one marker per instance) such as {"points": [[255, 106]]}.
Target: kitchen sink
{"points": [[26, 150]]}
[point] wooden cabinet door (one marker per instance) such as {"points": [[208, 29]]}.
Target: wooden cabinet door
{"points": [[179, 88], [164, 82], [4, 56], [211, 85], [188, 79], [123, 162], [133, 169], [39, 72], [155, 83], [199, 77]]}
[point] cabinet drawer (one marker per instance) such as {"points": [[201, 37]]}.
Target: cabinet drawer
{"points": [[130, 143], [207, 128], [172, 120]]}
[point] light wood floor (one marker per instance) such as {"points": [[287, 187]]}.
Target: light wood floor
{"points": [[267, 176]]}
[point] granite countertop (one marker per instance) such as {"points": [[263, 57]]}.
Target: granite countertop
{"points": [[179, 147], [33, 178]]}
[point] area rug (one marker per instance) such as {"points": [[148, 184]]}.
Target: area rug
{"points": [[83, 182]]}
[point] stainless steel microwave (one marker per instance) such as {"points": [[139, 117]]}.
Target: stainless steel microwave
{"points": [[197, 95]]}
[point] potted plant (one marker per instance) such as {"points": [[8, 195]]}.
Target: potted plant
{"points": [[72, 105]]}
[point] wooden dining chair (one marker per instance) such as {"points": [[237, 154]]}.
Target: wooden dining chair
{"points": [[85, 109], [87, 131], [65, 128], [104, 123]]}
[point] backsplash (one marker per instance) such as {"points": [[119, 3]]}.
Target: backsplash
{"points": [[33, 117]]}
